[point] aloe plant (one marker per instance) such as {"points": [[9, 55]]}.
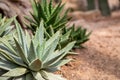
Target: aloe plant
{"points": [[34, 57], [52, 15], [80, 35], [54, 21], [5, 26]]}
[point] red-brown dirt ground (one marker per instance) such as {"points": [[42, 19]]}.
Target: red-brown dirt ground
{"points": [[100, 60]]}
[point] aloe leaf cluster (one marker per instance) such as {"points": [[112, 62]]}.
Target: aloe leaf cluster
{"points": [[52, 15], [5, 26], [80, 35], [33, 57], [55, 18]]}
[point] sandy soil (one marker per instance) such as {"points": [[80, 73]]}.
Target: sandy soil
{"points": [[100, 60]]}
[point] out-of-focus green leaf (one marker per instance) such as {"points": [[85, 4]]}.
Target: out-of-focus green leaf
{"points": [[5, 26]]}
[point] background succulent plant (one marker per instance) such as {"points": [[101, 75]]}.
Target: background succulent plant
{"points": [[52, 15], [80, 35], [34, 57], [56, 20], [5, 25]]}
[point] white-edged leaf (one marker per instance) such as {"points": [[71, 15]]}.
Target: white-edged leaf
{"points": [[7, 65], [60, 55], [10, 58], [60, 63], [37, 76], [5, 24], [50, 51], [28, 38], [51, 76], [40, 50], [21, 52], [32, 52], [15, 72], [7, 44], [65, 36], [39, 35], [52, 39], [52, 69], [21, 38]]}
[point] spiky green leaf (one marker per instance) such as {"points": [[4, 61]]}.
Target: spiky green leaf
{"points": [[21, 52], [15, 72], [37, 76], [51, 76]]}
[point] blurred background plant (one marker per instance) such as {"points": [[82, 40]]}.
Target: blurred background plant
{"points": [[6, 27], [55, 20]]}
